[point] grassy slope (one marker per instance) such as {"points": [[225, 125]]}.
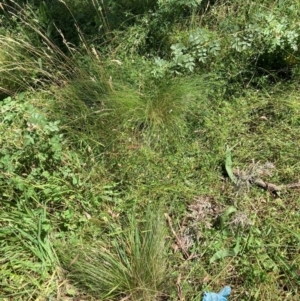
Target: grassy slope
{"points": [[129, 142]]}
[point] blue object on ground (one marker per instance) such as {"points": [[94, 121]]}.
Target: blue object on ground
{"points": [[220, 296]]}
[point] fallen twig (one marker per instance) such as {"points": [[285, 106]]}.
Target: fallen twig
{"points": [[250, 179], [274, 188], [179, 241], [179, 290]]}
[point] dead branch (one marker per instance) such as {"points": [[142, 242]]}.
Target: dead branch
{"points": [[251, 179], [274, 188]]}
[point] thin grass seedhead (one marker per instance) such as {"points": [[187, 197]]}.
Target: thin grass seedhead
{"points": [[30, 59]]}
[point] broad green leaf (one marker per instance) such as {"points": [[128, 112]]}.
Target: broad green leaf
{"points": [[227, 252], [225, 215], [228, 166]]}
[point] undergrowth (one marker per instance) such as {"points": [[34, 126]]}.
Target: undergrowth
{"points": [[149, 151]]}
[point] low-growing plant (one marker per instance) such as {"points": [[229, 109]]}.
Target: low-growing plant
{"points": [[28, 261], [130, 264], [32, 148]]}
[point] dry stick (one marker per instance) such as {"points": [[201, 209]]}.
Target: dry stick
{"points": [[126, 298], [274, 188], [187, 257], [263, 184], [179, 290], [179, 242]]}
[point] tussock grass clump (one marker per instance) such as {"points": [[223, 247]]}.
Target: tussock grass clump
{"points": [[131, 264], [110, 115], [26, 67]]}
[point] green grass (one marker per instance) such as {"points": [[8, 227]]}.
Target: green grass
{"points": [[113, 179], [128, 263], [29, 266]]}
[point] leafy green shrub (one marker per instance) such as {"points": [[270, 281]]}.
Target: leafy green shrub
{"points": [[254, 44], [31, 148], [39, 169]]}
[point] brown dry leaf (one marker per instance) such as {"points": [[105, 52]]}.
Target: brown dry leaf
{"points": [[175, 247]]}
